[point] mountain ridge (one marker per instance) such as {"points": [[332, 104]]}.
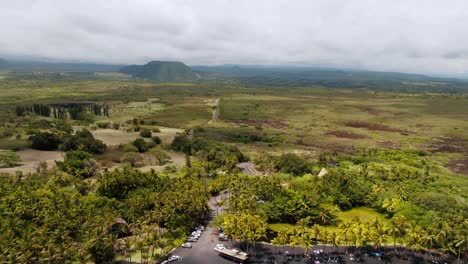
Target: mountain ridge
{"points": [[163, 71]]}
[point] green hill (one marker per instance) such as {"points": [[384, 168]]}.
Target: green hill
{"points": [[162, 71]]}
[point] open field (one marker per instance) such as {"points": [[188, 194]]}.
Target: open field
{"points": [[309, 119], [30, 159]]}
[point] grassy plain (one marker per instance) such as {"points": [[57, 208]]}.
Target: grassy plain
{"points": [[305, 119]]}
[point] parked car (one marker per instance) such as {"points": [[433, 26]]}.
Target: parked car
{"points": [[219, 247], [192, 239], [222, 237], [174, 258], [186, 245]]}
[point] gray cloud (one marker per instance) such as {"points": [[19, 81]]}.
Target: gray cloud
{"points": [[426, 36]]}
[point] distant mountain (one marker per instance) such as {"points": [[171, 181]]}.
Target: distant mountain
{"points": [[47, 66], [162, 71], [290, 76]]}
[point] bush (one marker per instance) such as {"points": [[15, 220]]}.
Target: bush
{"points": [[140, 144], [130, 148], [103, 124], [83, 140], [156, 140], [293, 164], [133, 158], [9, 159], [64, 126], [78, 163], [7, 132], [31, 131], [145, 133], [170, 169], [156, 130], [44, 141]]}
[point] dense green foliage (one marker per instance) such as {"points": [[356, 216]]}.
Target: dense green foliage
{"points": [[81, 140], [55, 217], [45, 141]]}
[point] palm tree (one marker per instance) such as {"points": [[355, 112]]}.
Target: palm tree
{"points": [[460, 243], [315, 232], [344, 230], [334, 239], [394, 229]]}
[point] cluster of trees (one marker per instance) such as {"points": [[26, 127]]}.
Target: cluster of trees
{"points": [[38, 109], [74, 111], [152, 149], [397, 183], [286, 163], [57, 217], [81, 140], [216, 156]]}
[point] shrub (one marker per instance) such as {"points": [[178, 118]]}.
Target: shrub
{"points": [[145, 133], [103, 124], [130, 148], [156, 130], [133, 158], [78, 163], [83, 140], [292, 163], [140, 144], [9, 159], [44, 141], [156, 140]]}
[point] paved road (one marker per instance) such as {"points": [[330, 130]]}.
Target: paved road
{"points": [[202, 252]]}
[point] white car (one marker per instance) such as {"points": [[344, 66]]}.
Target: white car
{"points": [[174, 258], [219, 247], [222, 237], [192, 239], [186, 245]]}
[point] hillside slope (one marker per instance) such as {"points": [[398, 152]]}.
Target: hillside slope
{"points": [[162, 71]]}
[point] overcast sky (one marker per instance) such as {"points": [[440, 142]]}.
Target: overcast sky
{"points": [[425, 36]]}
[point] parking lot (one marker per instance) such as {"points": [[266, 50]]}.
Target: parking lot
{"points": [[203, 251]]}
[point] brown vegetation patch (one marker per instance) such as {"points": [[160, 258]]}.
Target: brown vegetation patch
{"points": [[459, 166], [376, 127], [259, 123], [451, 145], [344, 134], [389, 144]]}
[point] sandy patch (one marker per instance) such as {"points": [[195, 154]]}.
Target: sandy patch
{"points": [[30, 159], [114, 137]]}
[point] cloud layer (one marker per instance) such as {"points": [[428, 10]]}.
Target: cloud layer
{"points": [[426, 36]]}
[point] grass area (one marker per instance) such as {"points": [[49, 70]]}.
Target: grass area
{"points": [[362, 213], [307, 120]]}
